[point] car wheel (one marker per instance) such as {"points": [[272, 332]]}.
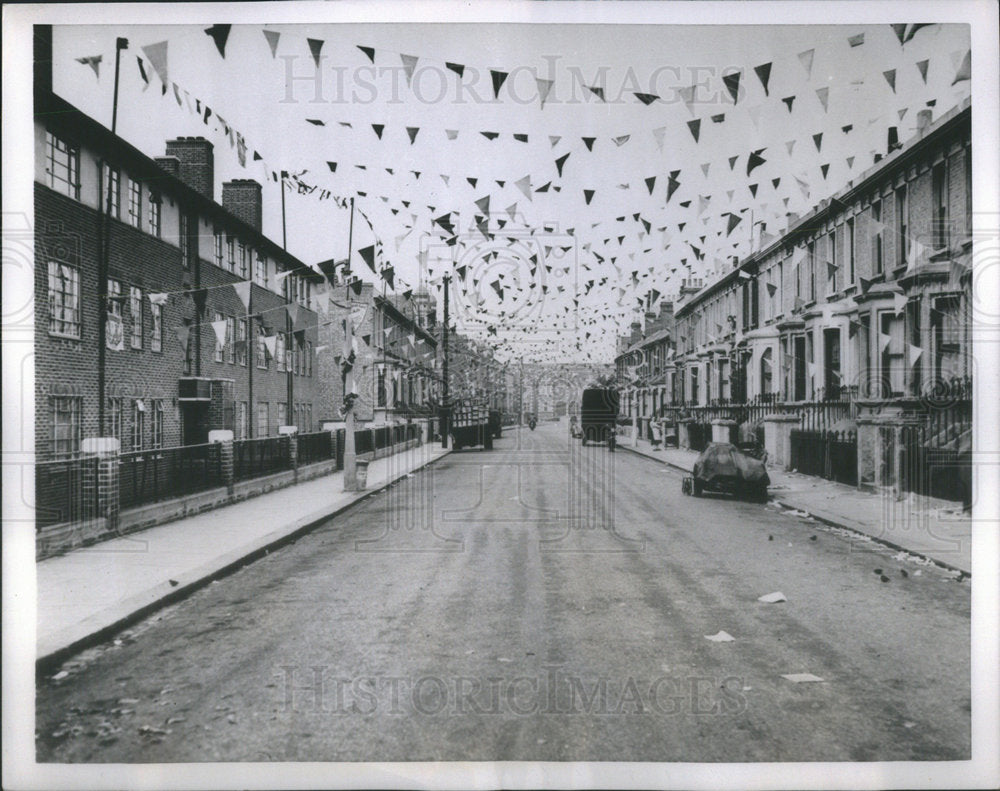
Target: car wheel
{"points": [[696, 487]]}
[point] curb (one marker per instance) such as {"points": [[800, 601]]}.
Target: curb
{"points": [[826, 520], [164, 594]]}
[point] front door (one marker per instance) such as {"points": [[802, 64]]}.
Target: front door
{"points": [[194, 422]]}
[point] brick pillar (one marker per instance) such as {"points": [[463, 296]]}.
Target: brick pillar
{"points": [[224, 438], [290, 433], [100, 482], [724, 430], [684, 433]]}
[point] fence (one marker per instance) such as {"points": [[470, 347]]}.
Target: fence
{"points": [[936, 455], [255, 457], [316, 447], [164, 473], [59, 491], [828, 454]]}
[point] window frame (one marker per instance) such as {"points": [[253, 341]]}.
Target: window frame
{"points": [[155, 215], [135, 309], [68, 184], [110, 183], [135, 203], [156, 331], [66, 320], [74, 411]]}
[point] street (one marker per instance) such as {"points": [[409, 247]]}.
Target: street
{"points": [[540, 602]]}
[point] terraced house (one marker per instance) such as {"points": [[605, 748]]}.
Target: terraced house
{"points": [[844, 344], [161, 315]]}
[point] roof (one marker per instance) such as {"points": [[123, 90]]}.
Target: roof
{"points": [[55, 112]]}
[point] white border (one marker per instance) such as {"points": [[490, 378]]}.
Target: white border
{"points": [[19, 771]]}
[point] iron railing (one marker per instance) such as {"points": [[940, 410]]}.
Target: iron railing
{"points": [[316, 447], [148, 476], [253, 458], [60, 491], [827, 454]]}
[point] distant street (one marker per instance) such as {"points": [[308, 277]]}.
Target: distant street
{"points": [[543, 601]]}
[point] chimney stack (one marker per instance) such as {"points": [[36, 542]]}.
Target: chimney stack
{"points": [[170, 164], [242, 198], [196, 163], [924, 118]]}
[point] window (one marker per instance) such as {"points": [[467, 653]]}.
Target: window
{"points": [[893, 358], [230, 253], [799, 367], [913, 332], [766, 374], [138, 423], [111, 180], [902, 225], [156, 433], [155, 313], [878, 244], [219, 345], [115, 417], [242, 417], [279, 351], [135, 308], [946, 330], [939, 190], [263, 429], [833, 270], [850, 251], [62, 165], [241, 351], [261, 351], [864, 349], [381, 387], [280, 416], [64, 300], [244, 261], [831, 361], [218, 248], [187, 348], [230, 351], [134, 203], [260, 271], [309, 358], [185, 242], [115, 298], [154, 214], [694, 384], [811, 258], [67, 425]]}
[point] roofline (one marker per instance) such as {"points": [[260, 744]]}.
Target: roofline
{"points": [[955, 116], [52, 109], [385, 302]]}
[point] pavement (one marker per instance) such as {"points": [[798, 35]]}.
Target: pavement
{"points": [[543, 601], [91, 592], [924, 526]]}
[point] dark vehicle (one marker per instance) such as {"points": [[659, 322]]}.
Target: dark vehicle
{"points": [[470, 425], [722, 467], [599, 415], [496, 423], [532, 423]]}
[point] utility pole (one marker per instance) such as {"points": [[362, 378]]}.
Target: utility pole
{"points": [[350, 457], [289, 329], [105, 245], [445, 404]]}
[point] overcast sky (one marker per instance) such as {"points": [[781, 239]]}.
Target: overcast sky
{"points": [[633, 142]]}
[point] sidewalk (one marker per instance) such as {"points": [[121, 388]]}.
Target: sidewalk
{"points": [[935, 529], [91, 592]]}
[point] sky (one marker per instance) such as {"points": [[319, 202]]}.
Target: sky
{"points": [[602, 198]]}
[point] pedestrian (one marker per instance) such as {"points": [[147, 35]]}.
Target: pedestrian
{"points": [[657, 429]]}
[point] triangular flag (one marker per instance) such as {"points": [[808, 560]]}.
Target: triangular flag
{"points": [[368, 255], [412, 132], [763, 73], [183, 333], [589, 142], [823, 94], [587, 195], [646, 98], [732, 83], [899, 30], [544, 86], [965, 69], [890, 77], [734, 220], [806, 59], [650, 183], [524, 185], [818, 140], [695, 127], [755, 160], [658, 135], [788, 100], [451, 133], [598, 92], [270, 342], [272, 37], [158, 299], [622, 140], [913, 353], [369, 51], [292, 309], [219, 34], [922, 68], [219, 327], [856, 41], [315, 45], [156, 54], [142, 72], [458, 68], [560, 162], [242, 290], [498, 78], [94, 61], [409, 64]]}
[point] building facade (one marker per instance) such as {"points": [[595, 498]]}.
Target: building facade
{"points": [[206, 322]]}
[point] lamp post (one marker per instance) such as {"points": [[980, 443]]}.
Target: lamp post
{"points": [[350, 455]]}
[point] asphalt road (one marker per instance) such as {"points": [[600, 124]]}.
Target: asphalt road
{"points": [[541, 602]]}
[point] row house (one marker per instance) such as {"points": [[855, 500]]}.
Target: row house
{"points": [[206, 322], [645, 364], [395, 353], [858, 315]]}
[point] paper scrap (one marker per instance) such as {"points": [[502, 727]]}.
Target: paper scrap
{"points": [[721, 637], [772, 598], [801, 678]]}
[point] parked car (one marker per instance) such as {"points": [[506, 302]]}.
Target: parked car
{"points": [[723, 467]]}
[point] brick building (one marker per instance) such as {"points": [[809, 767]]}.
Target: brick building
{"points": [[183, 352]]}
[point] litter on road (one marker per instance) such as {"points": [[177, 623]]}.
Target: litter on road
{"points": [[800, 678], [720, 637], [772, 598]]}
